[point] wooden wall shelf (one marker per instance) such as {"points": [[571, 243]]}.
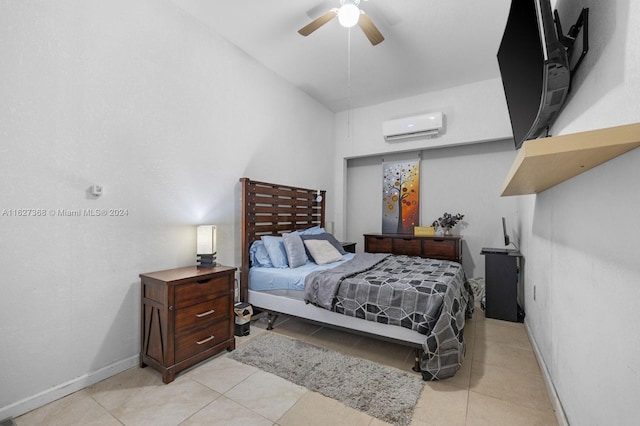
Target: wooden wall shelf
{"points": [[544, 163]]}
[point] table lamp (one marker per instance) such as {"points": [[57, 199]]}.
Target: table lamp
{"points": [[206, 246]]}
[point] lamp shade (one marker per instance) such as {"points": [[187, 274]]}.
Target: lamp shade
{"points": [[206, 239]]}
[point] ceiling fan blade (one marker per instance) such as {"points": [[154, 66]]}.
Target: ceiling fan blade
{"points": [[370, 30], [317, 23]]}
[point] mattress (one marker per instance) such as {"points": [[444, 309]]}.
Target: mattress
{"points": [[269, 279]]}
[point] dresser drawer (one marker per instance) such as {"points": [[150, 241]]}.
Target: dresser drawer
{"points": [[202, 289], [378, 244], [440, 249], [202, 314], [199, 340], [409, 247]]}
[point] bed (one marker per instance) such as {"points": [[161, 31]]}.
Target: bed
{"points": [[421, 303]]}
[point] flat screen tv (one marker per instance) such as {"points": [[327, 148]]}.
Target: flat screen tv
{"points": [[507, 241], [534, 68]]}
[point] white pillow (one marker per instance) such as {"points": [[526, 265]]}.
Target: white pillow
{"points": [[322, 251]]}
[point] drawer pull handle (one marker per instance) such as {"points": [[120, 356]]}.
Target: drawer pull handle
{"points": [[204, 314], [203, 341], [204, 281]]}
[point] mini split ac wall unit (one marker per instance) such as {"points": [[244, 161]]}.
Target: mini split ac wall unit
{"points": [[425, 125]]}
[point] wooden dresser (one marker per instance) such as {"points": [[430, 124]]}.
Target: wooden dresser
{"points": [[187, 316], [444, 247]]}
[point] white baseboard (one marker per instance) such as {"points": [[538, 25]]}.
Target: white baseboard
{"points": [[553, 395], [24, 406]]}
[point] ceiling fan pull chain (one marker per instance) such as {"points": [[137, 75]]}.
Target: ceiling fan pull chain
{"points": [[349, 83]]}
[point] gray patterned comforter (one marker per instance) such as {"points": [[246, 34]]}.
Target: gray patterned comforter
{"points": [[429, 296], [321, 286]]}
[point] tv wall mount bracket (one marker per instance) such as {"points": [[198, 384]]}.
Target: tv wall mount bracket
{"points": [[568, 41]]}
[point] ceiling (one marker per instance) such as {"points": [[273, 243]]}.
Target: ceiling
{"points": [[429, 45]]}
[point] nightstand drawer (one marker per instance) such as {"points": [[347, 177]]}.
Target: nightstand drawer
{"points": [[407, 246], [202, 289], [378, 244], [440, 249], [202, 314], [200, 340]]}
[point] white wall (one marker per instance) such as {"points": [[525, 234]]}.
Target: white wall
{"points": [[580, 238], [474, 112], [167, 116], [458, 173], [462, 179]]}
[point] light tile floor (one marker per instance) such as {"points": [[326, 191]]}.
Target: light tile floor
{"points": [[499, 384]]}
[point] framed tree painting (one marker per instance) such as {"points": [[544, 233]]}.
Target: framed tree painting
{"points": [[400, 196]]}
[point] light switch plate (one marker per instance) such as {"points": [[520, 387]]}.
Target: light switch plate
{"points": [[96, 190]]}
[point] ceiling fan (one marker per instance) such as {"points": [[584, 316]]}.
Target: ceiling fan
{"points": [[348, 15]]}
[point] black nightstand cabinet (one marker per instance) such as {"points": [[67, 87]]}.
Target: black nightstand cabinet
{"points": [[349, 247], [502, 274]]}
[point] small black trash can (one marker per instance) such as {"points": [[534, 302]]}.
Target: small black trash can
{"points": [[243, 312]]}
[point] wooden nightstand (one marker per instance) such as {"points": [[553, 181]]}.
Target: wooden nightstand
{"points": [[187, 316], [349, 247]]}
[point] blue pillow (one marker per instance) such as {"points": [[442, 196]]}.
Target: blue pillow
{"points": [[259, 256], [294, 247], [314, 230], [277, 253]]}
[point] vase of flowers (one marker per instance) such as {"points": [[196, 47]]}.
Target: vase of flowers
{"points": [[447, 221]]}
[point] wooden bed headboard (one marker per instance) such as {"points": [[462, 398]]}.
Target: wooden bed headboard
{"points": [[271, 209]]}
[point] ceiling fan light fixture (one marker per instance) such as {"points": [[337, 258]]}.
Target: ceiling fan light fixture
{"points": [[348, 15]]}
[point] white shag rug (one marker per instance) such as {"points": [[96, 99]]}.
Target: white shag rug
{"points": [[380, 391]]}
